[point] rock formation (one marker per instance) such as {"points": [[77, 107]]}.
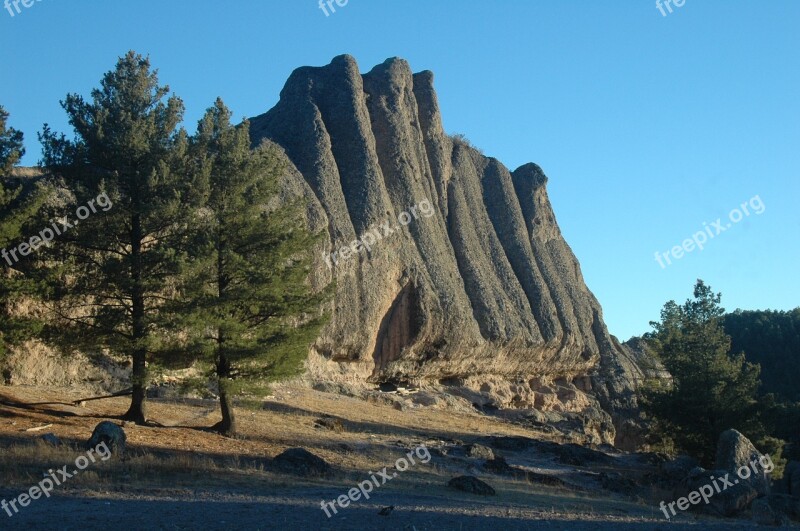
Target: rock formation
{"points": [[481, 293]]}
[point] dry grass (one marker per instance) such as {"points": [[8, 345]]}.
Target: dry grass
{"points": [[184, 462]]}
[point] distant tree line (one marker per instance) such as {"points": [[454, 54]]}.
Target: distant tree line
{"points": [[771, 339], [191, 265]]}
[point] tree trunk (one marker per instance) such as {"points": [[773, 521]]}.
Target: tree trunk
{"points": [[138, 410], [227, 426]]}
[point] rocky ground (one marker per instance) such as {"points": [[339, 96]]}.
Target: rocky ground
{"points": [[177, 476]]}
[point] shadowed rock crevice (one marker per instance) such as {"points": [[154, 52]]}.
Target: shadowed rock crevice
{"points": [[399, 328]]}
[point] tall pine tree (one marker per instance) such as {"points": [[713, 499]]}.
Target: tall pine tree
{"points": [[253, 309], [712, 390], [119, 266], [18, 206]]}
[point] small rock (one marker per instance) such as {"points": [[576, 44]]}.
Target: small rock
{"points": [[498, 466], [330, 423], [386, 510], [479, 451], [472, 485], [50, 438], [301, 462]]}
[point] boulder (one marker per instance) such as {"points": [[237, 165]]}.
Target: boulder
{"points": [[729, 501], [111, 434], [479, 451], [301, 462], [330, 423], [472, 485], [737, 455], [51, 439], [499, 466]]}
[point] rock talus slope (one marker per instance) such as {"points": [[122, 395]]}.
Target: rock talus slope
{"points": [[482, 292]]}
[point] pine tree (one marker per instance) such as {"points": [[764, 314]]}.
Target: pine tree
{"points": [[119, 266], [712, 390], [18, 206], [252, 307]]}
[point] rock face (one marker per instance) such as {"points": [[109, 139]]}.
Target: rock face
{"points": [[473, 284]]}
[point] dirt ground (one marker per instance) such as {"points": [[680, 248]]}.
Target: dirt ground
{"points": [[178, 476]]}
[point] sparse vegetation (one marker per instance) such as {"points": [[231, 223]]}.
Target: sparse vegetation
{"points": [[462, 140]]}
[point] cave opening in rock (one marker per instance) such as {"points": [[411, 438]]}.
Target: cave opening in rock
{"points": [[399, 328]]}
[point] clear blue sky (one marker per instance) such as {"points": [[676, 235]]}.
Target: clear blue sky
{"points": [[647, 125]]}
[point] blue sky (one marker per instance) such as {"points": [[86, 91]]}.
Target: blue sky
{"points": [[647, 125]]}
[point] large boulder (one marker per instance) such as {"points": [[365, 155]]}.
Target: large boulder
{"points": [[737, 455], [725, 496], [111, 434]]}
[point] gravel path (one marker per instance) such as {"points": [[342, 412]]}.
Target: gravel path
{"points": [[300, 509]]}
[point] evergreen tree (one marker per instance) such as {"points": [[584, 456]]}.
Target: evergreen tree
{"points": [[253, 310], [17, 207], [711, 389], [118, 267], [11, 145]]}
